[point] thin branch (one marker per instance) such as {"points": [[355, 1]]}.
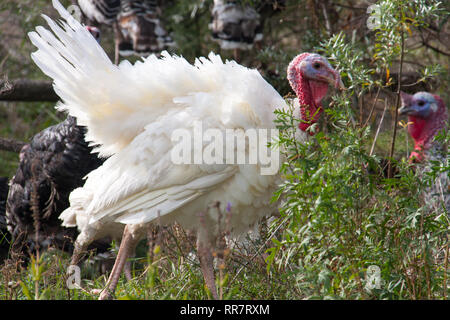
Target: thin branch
{"points": [[378, 129], [445, 273], [373, 107], [426, 44], [397, 103], [327, 20], [350, 7], [11, 145]]}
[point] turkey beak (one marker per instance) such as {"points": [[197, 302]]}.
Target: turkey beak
{"points": [[405, 110], [338, 84], [335, 80], [408, 110], [406, 101]]}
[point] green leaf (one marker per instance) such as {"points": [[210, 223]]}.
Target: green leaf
{"points": [[25, 290]]}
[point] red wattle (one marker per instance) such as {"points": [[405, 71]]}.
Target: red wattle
{"points": [[416, 156], [309, 94], [309, 117]]}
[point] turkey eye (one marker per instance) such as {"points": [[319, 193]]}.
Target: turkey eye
{"points": [[421, 103], [316, 65]]}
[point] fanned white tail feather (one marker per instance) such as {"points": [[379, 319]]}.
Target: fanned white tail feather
{"points": [[116, 102]]}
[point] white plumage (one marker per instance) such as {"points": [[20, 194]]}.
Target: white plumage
{"points": [[131, 111]]}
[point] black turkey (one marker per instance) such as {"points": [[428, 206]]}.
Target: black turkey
{"points": [[141, 29], [235, 26], [100, 11], [137, 27], [4, 235], [52, 165]]}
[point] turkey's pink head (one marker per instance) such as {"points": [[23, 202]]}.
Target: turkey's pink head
{"points": [[427, 115], [309, 75], [95, 32]]}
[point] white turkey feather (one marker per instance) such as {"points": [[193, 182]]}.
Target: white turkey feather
{"points": [[117, 102], [151, 185]]}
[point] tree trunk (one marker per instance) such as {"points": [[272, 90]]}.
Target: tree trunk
{"points": [[27, 90], [11, 145]]}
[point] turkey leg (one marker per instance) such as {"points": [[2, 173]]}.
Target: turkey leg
{"points": [[127, 246], [206, 263]]}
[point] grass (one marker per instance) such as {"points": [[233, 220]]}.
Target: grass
{"points": [[404, 144], [171, 271]]}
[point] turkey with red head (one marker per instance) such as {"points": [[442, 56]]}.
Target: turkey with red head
{"points": [[427, 116], [137, 115]]}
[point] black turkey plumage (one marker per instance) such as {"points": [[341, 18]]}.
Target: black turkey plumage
{"points": [[3, 195], [137, 27], [235, 26], [100, 11], [4, 235], [141, 29], [52, 165]]}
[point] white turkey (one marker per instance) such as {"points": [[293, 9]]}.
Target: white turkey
{"points": [[133, 113], [427, 115]]}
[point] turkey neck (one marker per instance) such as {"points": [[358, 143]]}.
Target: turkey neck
{"points": [[423, 131], [309, 110]]}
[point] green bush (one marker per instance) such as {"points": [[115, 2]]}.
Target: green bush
{"points": [[343, 219]]}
